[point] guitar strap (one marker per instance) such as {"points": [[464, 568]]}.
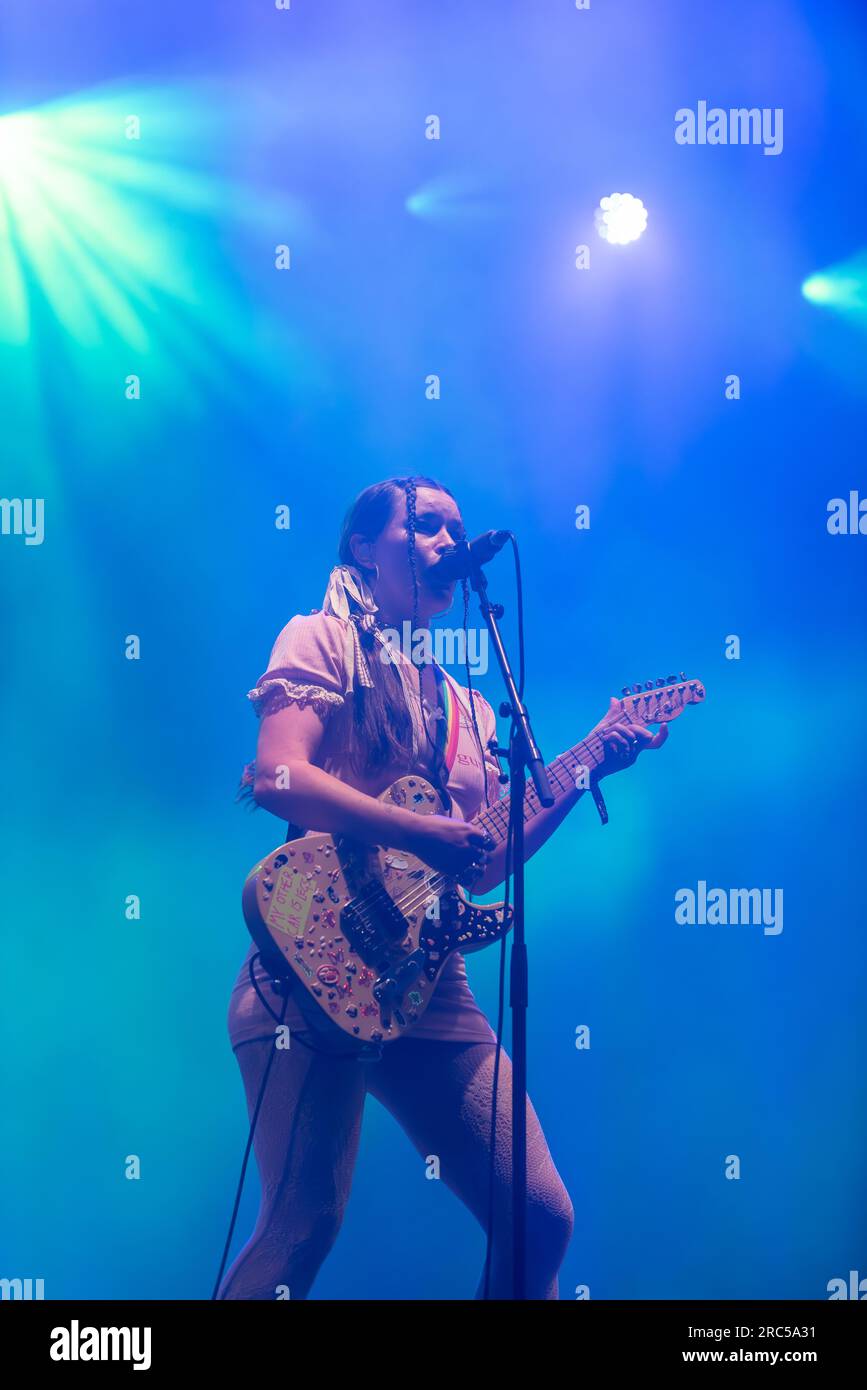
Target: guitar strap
{"points": [[453, 704], [445, 744], [449, 725]]}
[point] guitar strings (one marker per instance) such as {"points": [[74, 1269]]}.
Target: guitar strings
{"points": [[498, 813], [500, 817], [417, 895]]}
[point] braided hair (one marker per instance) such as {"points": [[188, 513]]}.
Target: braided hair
{"points": [[409, 485]]}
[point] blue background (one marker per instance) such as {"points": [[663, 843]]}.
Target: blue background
{"points": [[605, 387]]}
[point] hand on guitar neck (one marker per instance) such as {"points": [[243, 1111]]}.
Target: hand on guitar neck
{"points": [[455, 846], [622, 740]]}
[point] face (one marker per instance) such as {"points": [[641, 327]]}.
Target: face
{"points": [[438, 527]]}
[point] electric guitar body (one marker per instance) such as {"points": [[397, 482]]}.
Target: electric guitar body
{"points": [[365, 929]]}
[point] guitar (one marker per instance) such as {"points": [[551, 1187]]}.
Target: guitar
{"points": [[366, 929]]}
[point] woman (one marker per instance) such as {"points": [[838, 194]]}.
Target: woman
{"points": [[339, 723]]}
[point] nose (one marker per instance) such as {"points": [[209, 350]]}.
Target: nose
{"points": [[443, 543]]}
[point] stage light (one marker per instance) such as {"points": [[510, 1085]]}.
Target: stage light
{"points": [[88, 221], [818, 289], [16, 138], [112, 220], [453, 198], [620, 218], [842, 287]]}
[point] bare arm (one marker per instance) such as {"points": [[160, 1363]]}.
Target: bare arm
{"points": [[536, 832], [289, 739]]}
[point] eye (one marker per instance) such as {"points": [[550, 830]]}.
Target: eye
{"points": [[430, 524], [427, 522]]}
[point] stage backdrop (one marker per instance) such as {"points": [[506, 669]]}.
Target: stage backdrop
{"points": [[254, 258]]}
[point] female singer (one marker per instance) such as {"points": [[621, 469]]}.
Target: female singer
{"points": [[338, 725]]}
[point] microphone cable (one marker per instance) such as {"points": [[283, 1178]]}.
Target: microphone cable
{"points": [[507, 887]]}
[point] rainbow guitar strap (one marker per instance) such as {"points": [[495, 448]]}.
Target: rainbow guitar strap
{"points": [[448, 729]]}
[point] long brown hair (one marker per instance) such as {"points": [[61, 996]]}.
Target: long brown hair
{"points": [[381, 727]]}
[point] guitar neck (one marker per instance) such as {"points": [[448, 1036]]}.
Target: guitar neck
{"points": [[562, 773], [657, 703]]}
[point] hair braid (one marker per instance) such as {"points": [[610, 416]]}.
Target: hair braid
{"points": [[410, 489]]}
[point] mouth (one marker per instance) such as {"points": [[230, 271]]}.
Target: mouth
{"points": [[438, 581], [434, 576]]}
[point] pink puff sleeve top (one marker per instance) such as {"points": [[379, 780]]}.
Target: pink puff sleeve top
{"points": [[312, 663]]}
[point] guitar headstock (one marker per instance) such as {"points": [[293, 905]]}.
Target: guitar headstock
{"points": [[660, 701]]}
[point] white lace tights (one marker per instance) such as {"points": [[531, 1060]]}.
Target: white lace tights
{"points": [[307, 1139]]}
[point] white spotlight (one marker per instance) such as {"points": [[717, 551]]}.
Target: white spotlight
{"points": [[620, 218]]}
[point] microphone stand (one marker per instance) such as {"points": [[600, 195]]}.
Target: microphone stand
{"points": [[524, 755]]}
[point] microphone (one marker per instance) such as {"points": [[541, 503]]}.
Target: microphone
{"points": [[467, 556]]}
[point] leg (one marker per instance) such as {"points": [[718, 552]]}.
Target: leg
{"points": [[305, 1144], [441, 1095]]}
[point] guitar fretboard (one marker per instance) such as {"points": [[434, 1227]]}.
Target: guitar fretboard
{"points": [[562, 773]]}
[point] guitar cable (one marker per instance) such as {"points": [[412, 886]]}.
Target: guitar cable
{"points": [[258, 1106], [281, 985]]}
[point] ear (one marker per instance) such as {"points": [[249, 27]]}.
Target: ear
{"points": [[361, 549]]}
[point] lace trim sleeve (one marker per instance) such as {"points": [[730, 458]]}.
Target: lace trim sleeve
{"points": [[276, 692]]}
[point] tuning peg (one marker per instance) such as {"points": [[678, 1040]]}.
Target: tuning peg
{"points": [[627, 690], [637, 687], [682, 676], [648, 685], [670, 680], [660, 680]]}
